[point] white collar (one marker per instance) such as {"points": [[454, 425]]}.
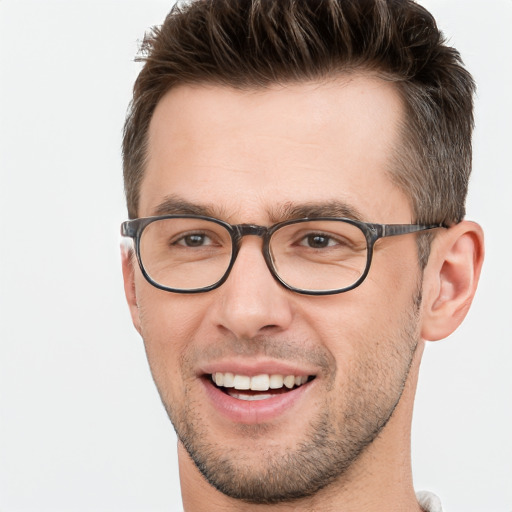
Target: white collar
{"points": [[429, 502]]}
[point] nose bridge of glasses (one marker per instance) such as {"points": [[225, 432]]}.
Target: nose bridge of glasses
{"points": [[250, 229], [242, 230]]}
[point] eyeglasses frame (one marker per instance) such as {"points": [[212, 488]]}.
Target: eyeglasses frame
{"points": [[134, 228]]}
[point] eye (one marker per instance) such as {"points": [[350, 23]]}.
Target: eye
{"points": [[318, 241], [194, 240]]}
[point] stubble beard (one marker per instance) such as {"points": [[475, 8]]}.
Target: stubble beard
{"points": [[332, 441]]}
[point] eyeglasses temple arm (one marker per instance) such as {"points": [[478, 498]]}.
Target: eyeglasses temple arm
{"points": [[403, 229]]}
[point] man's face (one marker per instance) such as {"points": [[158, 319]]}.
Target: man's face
{"points": [[251, 157]]}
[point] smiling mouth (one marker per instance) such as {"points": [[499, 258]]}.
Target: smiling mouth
{"points": [[257, 387]]}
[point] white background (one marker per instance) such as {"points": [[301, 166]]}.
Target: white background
{"points": [[81, 425]]}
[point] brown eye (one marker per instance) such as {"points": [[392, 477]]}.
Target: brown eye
{"points": [[317, 241], [194, 240]]}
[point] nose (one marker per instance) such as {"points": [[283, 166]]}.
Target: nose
{"points": [[251, 302]]}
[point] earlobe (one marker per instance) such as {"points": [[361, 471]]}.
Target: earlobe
{"points": [[129, 285], [451, 279]]}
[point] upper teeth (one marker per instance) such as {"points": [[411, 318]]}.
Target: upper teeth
{"points": [[261, 382]]}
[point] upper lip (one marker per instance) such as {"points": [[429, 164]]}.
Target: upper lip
{"points": [[251, 368]]}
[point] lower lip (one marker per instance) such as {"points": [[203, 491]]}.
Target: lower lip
{"points": [[251, 412]]}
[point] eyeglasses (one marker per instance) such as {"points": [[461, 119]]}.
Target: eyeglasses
{"points": [[313, 256]]}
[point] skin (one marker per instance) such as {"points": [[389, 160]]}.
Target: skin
{"points": [[244, 156]]}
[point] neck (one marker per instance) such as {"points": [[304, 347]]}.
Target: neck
{"points": [[380, 478]]}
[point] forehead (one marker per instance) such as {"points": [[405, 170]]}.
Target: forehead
{"points": [[248, 152]]}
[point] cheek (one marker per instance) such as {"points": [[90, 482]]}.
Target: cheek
{"points": [[372, 325], [373, 354], [168, 324]]}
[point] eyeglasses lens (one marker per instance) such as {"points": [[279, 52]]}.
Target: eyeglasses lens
{"points": [[185, 253], [319, 255]]}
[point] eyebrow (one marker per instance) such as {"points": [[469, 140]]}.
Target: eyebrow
{"points": [[336, 208], [176, 205]]}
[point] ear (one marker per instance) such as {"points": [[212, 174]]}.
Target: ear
{"points": [[450, 279], [128, 264]]}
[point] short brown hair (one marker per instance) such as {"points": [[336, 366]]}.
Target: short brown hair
{"points": [[257, 43]]}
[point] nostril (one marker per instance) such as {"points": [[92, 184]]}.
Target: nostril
{"points": [[270, 327]]}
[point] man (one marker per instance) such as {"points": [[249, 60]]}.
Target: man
{"points": [[296, 174]]}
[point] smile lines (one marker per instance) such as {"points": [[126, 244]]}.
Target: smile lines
{"points": [[262, 382]]}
